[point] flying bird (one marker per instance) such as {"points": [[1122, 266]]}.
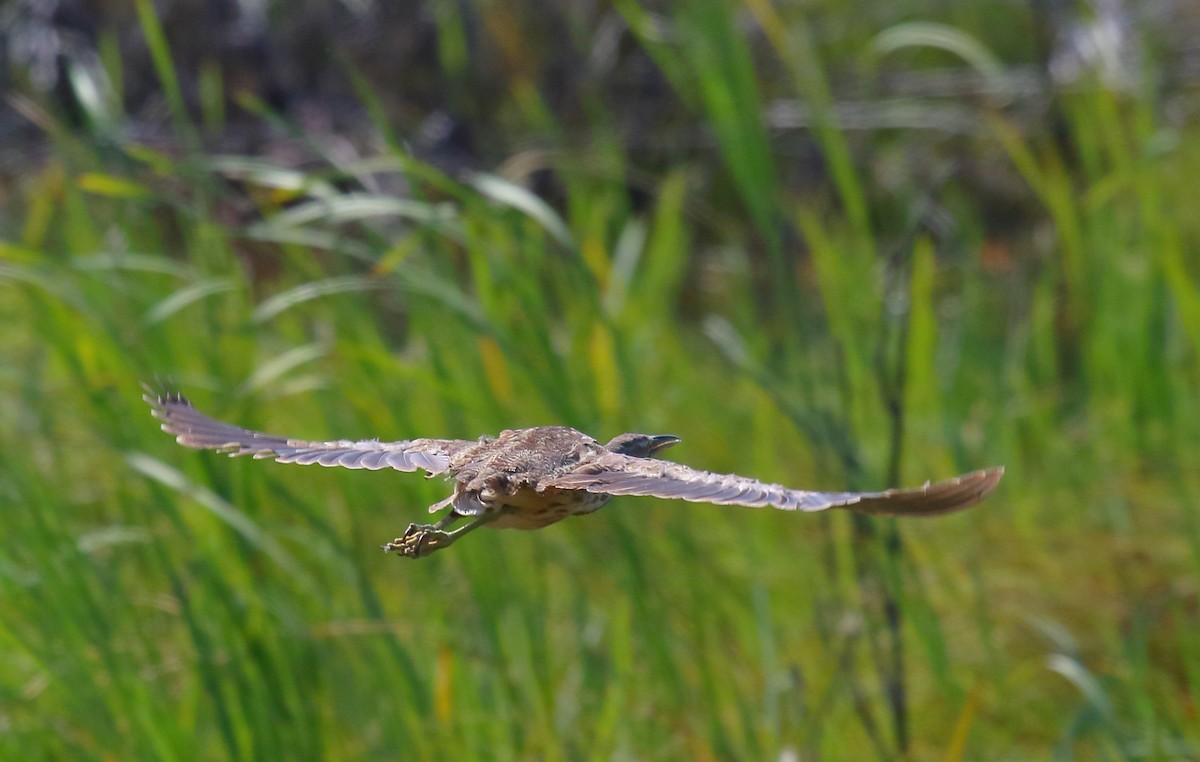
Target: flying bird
{"points": [[531, 478]]}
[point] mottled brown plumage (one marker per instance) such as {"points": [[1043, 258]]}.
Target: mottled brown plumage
{"points": [[530, 478]]}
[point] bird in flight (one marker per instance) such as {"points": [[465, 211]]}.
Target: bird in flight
{"points": [[531, 478]]}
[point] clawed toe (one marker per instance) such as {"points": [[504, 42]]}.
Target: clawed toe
{"points": [[417, 541]]}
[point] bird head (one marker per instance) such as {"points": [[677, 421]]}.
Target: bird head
{"points": [[640, 445]]}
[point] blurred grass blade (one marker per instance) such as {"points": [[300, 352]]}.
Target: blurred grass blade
{"points": [[112, 187], [512, 195], [944, 37], [94, 94], [214, 504], [956, 748], [267, 175], [723, 69], [922, 386], [164, 67], [272, 370], [188, 296], [14, 253], [112, 536], [310, 237], [132, 262], [281, 302], [1087, 684], [61, 289], [352, 207], [627, 253], [795, 45]]}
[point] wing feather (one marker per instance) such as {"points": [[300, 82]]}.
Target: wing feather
{"points": [[194, 429], [617, 474]]}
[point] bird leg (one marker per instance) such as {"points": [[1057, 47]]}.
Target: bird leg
{"points": [[419, 540]]}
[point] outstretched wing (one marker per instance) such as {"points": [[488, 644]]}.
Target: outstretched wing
{"points": [[616, 474], [194, 429]]}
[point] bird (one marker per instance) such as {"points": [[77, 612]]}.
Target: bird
{"points": [[533, 477]]}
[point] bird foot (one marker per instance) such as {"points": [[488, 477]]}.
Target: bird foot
{"points": [[418, 541]]}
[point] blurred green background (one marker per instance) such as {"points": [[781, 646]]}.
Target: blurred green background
{"points": [[828, 245]]}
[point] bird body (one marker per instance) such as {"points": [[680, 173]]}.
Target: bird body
{"points": [[531, 478], [510, 474]]}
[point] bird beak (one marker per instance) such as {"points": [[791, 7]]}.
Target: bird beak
{"points": [[662, 442]]}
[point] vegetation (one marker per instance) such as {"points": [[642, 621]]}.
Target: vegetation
{"points": [[825, 307]]}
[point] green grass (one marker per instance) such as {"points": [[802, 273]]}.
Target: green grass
{"points": [[163, 603]]}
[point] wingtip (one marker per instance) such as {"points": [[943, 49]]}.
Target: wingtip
{"points": [[991, 477], [161, 398], [934, 498], [979, 485], [160, 395]]}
